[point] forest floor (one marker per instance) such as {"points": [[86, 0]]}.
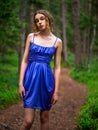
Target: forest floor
{"points": [[63, 115]]}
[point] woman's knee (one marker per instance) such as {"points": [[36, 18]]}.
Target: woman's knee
{"points": [[29, 117], [27, 123], [44, 116]]}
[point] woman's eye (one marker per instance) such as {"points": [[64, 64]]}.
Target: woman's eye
{"points": [[36, 20], [42, 18]]}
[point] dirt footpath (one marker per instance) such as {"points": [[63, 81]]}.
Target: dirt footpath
{"points": [[62, 116]]}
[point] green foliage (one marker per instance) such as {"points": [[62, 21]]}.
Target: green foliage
{"points": [[55, 9], [9, 81], [9, 96], [88, 19], [9, 25], [44, 4], [69, 25], [71, 59], [70, 36], [88, 117]]}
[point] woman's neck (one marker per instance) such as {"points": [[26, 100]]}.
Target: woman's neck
{"points": [[45, 33]]}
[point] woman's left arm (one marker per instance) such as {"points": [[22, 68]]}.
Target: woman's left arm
{"points": [[57, 70]]}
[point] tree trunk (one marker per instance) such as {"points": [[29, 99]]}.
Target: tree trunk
{"points": [[77, 37], [29, 18], [64, 31], [85, 35], [92, 33], [23, 30], [96, 4]]}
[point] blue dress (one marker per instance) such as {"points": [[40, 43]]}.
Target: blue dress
{"points": [[39, 82]]}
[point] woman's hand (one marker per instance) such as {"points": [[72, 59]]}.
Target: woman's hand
{"points": [[54, 98], [22, 91]]}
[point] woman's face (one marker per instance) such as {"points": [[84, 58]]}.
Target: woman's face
{"points": [[41, 21]]}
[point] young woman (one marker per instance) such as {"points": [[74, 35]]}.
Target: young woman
{"points": [[38, 85]]}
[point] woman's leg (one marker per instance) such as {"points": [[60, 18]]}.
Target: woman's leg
{"points": [[28, 119], [44, 119]]}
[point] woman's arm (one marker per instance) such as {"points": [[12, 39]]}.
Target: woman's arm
{"points": [[57, 70], [24, 65]]}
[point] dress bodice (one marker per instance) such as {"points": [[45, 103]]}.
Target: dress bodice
{"points": [[40, 53]]}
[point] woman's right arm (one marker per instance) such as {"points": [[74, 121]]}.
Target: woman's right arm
{"points": [[23, 66]]}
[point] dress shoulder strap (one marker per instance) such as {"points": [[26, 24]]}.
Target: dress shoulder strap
{"points": [[55, 42], [33, 37]]}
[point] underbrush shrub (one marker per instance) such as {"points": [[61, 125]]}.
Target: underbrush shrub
{"points": [[9, 81], [88, 116]]}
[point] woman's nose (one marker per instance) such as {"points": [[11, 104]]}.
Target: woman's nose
{"points": [[39, 21]]}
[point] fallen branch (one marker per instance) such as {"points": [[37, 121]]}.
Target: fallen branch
{"points": [[6, 126]]}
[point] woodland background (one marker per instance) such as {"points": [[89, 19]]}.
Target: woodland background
{"points": [[76, 23]]}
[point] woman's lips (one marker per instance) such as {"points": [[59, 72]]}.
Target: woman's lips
{"points": [[41, 26]]}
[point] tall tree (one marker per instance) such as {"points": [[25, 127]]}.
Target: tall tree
{"points": [[77, 36], [23, 5], [96, 7], [92, 31], [85, 30], [64, 30]]}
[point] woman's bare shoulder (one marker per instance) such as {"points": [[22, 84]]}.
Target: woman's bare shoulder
{"points": [[30, 35], [59, 41]]}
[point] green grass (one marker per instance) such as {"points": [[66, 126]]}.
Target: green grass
{"points": [[88, 117], [9, 80]]}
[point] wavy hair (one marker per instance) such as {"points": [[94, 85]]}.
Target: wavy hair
{"points": [[48, 16]]}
